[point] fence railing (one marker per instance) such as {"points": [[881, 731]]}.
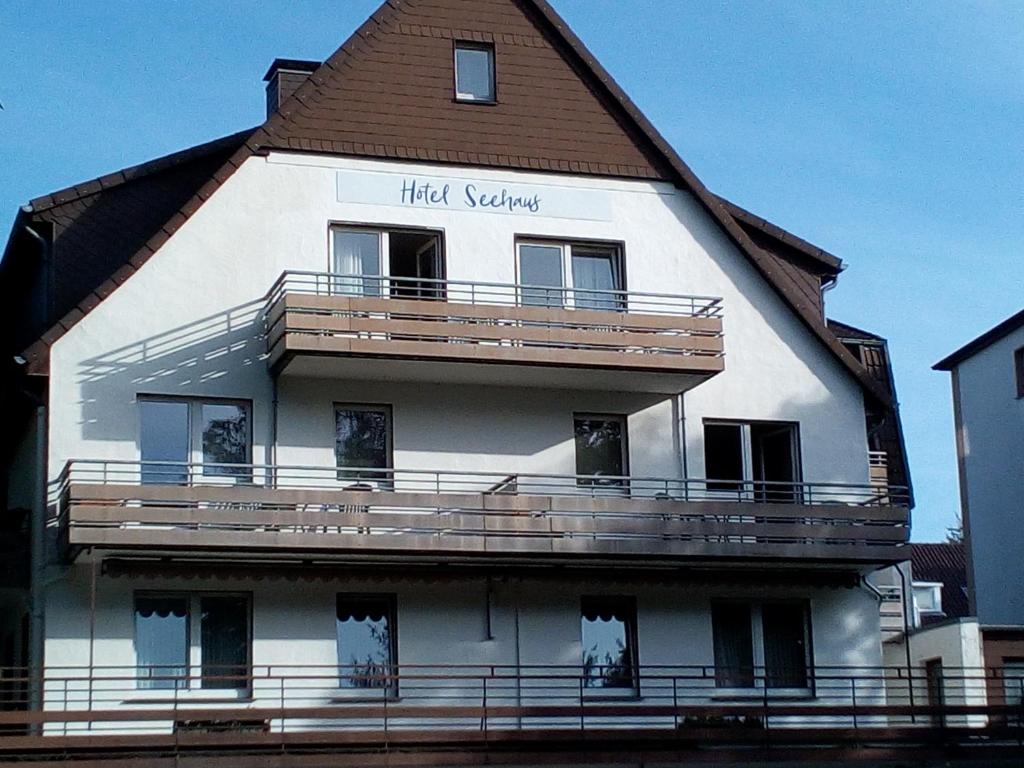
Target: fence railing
{"points": [[493, 294], [492, 698]]}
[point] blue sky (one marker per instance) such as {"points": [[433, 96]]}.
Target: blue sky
{"points": [[888, 133]]}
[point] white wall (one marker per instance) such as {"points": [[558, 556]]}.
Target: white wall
{"points": [[993, 462], [186, 322], [444, 622]]}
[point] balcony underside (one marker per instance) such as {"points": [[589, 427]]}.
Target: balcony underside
{"points": [[411, 339], [252, 521]]}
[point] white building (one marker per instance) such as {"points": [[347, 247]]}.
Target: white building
{"points": [[988, 414], [450, 385]]}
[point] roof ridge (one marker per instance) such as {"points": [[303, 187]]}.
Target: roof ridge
{"points": [[132, 173]]}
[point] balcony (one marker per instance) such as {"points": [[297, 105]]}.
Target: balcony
{"points": [[439, 516], [441, 714], [400, 328]]}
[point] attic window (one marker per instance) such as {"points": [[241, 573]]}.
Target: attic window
{"points": [[474, 72]]}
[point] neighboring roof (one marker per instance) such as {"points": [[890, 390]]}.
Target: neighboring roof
{"points": [[312, 119], [944, 563], [971, 348], [829, 262], [845, 332]]}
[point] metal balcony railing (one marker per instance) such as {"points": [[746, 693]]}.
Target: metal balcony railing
{"points": [[465, 702]]}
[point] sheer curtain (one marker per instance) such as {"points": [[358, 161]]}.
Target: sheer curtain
{"points": [[357, 263], [734, 645], [597, 272], [161, 641]]}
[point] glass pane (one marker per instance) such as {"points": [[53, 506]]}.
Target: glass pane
{"points": [[723, 457], [596, 270], [785, 651], [607, 653], [225, 439], [361, 441], [161, 641], [365, 644], [225, 642], [600, 451], [1013, 681], [357, 263], [541, 265], [163, 437], [474, 73], [734, 645]]}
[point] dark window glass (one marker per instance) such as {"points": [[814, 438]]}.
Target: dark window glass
{"points": [[773, 455], [785, 644], [366, 642], [1018, 365], [225, 440], [723, 457], [608, 631], [596, 279], [474, 72], [225, 641], [363, 442], [601, 450], [164, 437], [734, 645], [541, 266], [161, 641]]}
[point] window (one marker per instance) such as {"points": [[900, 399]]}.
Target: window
{"points": [[601, 451], [1018, 367], [365, 262], [579, 275], [166, 638], [362, 442], [927, 599], [367, 642], [177, 432], [1013, 680], [474, 72], [759, 460], [748, 637], [161, 641], [608, 633]]}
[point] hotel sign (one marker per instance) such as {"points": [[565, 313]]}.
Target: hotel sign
{"points": [[472, 195]]}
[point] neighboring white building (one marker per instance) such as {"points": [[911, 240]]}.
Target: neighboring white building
{"points": [[450, 386], [988, 413]]}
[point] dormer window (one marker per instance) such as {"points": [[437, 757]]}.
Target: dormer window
{"points": [[474, 72]]}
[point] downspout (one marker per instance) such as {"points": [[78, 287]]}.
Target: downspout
{"points": [[519, 671], [37, 549], [680, 429]]}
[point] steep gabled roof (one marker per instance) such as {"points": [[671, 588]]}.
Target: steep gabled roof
{"points": [[609, 135]]}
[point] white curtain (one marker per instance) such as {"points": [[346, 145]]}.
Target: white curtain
{"points": [[357, 263]]}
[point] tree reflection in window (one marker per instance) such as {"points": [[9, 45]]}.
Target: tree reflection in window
{"points": [[608, 629], [600, 450], [362, 441], [366, 645], [225, 439]]}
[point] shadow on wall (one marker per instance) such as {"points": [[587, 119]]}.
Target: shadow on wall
{"points": [[201, 357]]}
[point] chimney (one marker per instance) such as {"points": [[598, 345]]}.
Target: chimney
{"points": [[283, 77]]}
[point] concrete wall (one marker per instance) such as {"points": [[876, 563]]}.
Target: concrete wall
{"points": [[991, 437]]}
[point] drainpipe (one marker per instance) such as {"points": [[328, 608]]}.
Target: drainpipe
{"points": [[680, 429], [517, 582], [37, 593]]}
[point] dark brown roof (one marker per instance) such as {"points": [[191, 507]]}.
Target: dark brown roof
{"points": [[573, 118], [946, 564], [971, 348]]}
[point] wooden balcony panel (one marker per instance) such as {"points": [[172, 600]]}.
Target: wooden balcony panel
{"points": [[413, 525], [393, 328]]}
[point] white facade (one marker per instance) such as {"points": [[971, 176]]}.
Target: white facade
{"points": [[188, 323], [989, 416]]}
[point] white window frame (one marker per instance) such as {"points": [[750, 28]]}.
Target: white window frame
{"points": [[492, 56], [936, 589], [383, 246], [194, 631], [759, 688], [565, 247], [195, 404]]}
